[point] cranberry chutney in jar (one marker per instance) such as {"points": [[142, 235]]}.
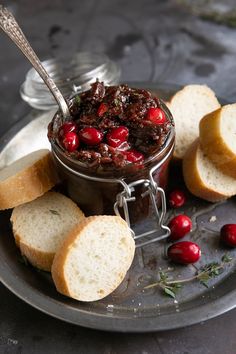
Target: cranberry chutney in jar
{"points": [[115, 132]]}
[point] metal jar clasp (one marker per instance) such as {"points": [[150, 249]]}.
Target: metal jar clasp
{"points": [[151, 190]]}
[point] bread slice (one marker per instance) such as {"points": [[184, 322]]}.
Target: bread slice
{"points": [[203, 179], [188, 106], [40, 226], [27, 179], [218, 138], [94, 258]]}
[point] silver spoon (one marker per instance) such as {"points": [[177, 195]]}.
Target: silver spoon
{"points": [[9, 25]]}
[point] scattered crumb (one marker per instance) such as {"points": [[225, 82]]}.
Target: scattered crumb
{"points": [[110, 306], [213, 218]]}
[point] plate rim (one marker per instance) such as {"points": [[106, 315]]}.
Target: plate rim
{"points": [[134, 324]]}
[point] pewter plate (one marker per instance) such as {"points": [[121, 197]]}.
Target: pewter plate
{"points": [[130, 308]]}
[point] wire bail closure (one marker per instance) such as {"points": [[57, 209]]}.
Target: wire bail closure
{"points": [[152, 189]]}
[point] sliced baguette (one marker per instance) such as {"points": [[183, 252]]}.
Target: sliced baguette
{"points": [[27, 179], [218, 138], [94, 258], [188, 106], [203, 179], [40, 226]]}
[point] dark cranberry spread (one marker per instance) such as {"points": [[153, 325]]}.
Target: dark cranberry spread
{"points": [[113, 126]]}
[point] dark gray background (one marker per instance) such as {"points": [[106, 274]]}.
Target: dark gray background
{"points": [[151, 40]]}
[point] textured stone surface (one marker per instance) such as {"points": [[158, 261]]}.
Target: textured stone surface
{"points": [[152, 41]]}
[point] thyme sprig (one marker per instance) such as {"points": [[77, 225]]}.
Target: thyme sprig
{"points": [[204, 274]]}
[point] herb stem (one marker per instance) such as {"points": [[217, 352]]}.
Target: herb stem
{"points": [[208, 271], [197, 276]]}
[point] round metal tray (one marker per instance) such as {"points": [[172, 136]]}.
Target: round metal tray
{"points": [[130, 308]]}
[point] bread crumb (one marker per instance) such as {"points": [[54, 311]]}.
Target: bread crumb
{"points": [[213, 218]]}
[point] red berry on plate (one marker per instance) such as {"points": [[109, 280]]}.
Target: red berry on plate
{"points": [[228, 235], [177, 198], [134, 156], [116, 136], [103, 108], [179, 226], [90, 136], [67, 128], [184, 252], [156, 115], [70, 141]]}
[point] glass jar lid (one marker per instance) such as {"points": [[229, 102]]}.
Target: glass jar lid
{"points": [[72, 75]]}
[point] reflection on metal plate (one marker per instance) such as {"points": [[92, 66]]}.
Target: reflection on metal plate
{"points": [[30, 138]]}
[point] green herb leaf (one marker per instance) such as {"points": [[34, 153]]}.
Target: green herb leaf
{"points": [[169, 292], [203, 278], [204, 284], [77, 100], [226, 19], [212, 269], [54, 212], [163, 276], [178, 286], [226, 258]]}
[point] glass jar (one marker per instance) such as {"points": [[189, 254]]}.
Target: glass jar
{"points": [[98, 191], [72, 75]]}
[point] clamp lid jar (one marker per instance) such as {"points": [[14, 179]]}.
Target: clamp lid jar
{"points": [[104, 183]]}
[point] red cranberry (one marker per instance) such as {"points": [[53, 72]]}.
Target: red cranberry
{"points": [[184, 252], [177, 198], [117, 136], [103, 108], [134, 156], [90, 136], [156, 115], [67, 128], [70, 141], [179, 226], [228, 234]]}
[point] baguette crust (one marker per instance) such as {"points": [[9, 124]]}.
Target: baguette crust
{"points": [[213, 143], [29, 183], [193, 179], [41, 259], [186, 118], [58, 266], [175, 157]]}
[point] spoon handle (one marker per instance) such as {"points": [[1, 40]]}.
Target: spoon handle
{"points": [[11, 28]]}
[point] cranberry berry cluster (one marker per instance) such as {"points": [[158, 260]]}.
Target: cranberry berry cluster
{"points": [[187, 252], [71, 139], [114, 125]]}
